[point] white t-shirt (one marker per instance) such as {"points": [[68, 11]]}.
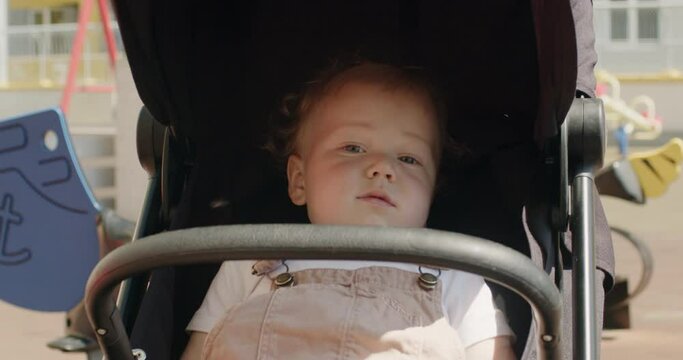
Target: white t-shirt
{"points": [[466, 299]]}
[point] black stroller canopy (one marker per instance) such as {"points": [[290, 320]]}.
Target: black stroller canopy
{"points": [[217, 68], [214, 71]]}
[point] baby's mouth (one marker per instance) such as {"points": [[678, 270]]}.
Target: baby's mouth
{"points": [[377, 198]]}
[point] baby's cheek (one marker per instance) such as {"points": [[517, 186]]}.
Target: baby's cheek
{"points": [[418, 217], [419, 210], [324, 207]]}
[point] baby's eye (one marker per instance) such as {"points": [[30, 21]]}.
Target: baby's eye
{"points": [[353, 148], [408, 160]]}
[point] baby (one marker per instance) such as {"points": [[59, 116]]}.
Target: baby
{"points": [[363, 148]]}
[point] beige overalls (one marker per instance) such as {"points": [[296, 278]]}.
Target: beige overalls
{"points": [[369, 313]]}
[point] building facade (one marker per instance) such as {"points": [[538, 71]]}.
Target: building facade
{"points": [[639, 36], [641, 43]]}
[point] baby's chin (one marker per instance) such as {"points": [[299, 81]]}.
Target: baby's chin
{"points": [[368, 220]]}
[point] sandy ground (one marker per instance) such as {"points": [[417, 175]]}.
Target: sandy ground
{"points": [[24, 333], [657, 315]]}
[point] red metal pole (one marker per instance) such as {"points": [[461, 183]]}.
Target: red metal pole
{"points": [[109, 36], [76, 53]]}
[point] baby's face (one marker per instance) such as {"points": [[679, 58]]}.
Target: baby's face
{"points": [[367, 156]]}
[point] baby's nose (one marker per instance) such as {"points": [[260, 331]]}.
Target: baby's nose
{"points": [[381, 168]]}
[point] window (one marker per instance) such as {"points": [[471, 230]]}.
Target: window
{"points": [[634, 21], [619, 24], [648, 23], [64, 14]]}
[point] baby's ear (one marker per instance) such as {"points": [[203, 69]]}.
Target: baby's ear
{"points": [[295, 178]]}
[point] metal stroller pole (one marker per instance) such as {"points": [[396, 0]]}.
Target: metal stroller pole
{"points": [[584, 144], [583, 277]]}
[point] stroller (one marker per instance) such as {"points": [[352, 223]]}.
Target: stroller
{"points": [[209, 74]]}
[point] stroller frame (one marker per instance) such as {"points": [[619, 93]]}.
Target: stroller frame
{"points": [[576, 153], [584, 126]]}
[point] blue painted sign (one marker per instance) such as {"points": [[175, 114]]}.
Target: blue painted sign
{"points": [[48, 232]]}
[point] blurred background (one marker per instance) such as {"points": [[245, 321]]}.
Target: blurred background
{"points": [[640, 75]]}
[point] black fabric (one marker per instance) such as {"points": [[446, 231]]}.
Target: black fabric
{"points": [[556, 47], [587, 57], [487, 198], [219, 66], [154, 325]]}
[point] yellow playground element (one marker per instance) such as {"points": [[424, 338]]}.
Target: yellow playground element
{"points": [[658, 168]]}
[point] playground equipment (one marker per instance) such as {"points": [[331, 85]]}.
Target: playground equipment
{"points": [[634, 177], [52, 229]]}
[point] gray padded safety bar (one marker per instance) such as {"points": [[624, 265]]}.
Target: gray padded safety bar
{"points": [[493, 261]]}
